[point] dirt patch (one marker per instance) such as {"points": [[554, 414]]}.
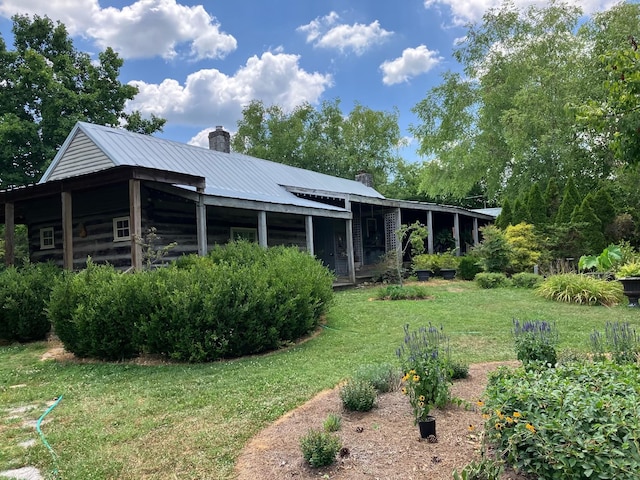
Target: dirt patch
{"points": [[382, 443]]}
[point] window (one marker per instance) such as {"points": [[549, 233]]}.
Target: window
{"points": [[46, 238], [248, 234], [121, 229]]}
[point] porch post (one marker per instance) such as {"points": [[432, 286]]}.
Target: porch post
{"points": [[67, 231], [135, 219], [9, 234], [308, 226], [351, 266], [456, 232], [476, 237], [430, 231], [262, 228], [398, 227], [201, 224]]}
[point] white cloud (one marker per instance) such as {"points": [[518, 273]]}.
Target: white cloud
{"points": [[414, 61], [146, 28], [465, 11], [324, 33], [209, 96]]}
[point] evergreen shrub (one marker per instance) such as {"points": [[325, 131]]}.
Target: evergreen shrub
{"points": [[526, 280], [24, 293], [492, 280], [468, 267]]}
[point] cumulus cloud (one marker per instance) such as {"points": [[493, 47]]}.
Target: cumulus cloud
{"points": [[324, 32], [146, 28], [465, 11], [414, 61], [210, 96]]}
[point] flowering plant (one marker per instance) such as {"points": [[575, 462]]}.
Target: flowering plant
{"points": [[425, 361]]}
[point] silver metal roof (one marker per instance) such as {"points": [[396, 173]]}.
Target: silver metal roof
{"points": [[231, 175]]}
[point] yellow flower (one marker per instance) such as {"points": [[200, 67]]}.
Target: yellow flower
{"points": [[509, 420], [404, 390], [499, 414], [517, 414], [421, 404], [405, 378], [421, 398], [530, 427], [480, 403], [498, 426], [471, 428], [411, 372], [416, 378], [485, 416]]}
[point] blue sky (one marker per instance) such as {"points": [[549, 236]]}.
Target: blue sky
{"points": [[198, 63]]}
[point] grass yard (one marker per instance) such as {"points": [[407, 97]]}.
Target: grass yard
{"points": [[128, 421]]}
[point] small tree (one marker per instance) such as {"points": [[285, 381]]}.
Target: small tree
{"points": [[415, 235], [151, 252], [505, 218], [494, 250]]}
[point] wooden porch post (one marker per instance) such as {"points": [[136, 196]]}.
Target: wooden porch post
{"points": [[201, 224], [9, 234], [430, 231], [135, 219], [476, 237], [398, 227], [67, 231], [262, 228], [351, 266], [308, 226], [456, 232]]}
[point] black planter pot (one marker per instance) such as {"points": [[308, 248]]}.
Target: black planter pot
{"points": [[631, 289], [448, 273], [427, 427], [423, 275]]}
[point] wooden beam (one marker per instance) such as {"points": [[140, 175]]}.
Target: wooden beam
{"points": [[67, 231], [476, 236], [308, 225], [9, 234], [262, 228], [201, 226], [430, 232], [135, 223], [351, 266], [456, 232]]}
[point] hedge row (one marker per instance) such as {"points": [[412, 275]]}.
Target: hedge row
{"points": [[241, 299]]}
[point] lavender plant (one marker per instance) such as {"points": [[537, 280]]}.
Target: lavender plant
{"points": [[535, 342], [620, 340]]}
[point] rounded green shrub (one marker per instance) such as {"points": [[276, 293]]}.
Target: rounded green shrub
{"points": [[319, 448], [358, 395], [468, 267], [24, 293], [526, 280], [492, 280]]}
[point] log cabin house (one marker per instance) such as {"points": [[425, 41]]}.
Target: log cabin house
{"points": [[107, 186]]}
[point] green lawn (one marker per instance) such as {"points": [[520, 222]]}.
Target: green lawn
{"points": [[191, 421]]}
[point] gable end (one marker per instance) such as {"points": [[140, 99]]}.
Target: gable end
{"points": [[82, 156]]}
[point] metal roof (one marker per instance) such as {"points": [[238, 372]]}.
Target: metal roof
{"points": [[231, 175]]}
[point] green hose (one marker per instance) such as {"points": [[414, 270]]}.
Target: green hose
{"points": [[44, 440]]}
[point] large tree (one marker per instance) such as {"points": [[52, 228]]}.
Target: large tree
{"points": [[503, 121], [324, 140], [46, 86]]}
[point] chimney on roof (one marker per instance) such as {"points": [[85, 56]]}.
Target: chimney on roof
{"points": [[220, 140], [365, 178]]}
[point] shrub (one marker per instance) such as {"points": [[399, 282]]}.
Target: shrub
{"points": [[535, 342], [468, 267], [319, 448], [581, 289], [24, 293], [494, 250], [332, 423], [425, 359], [358, 395], [583, 416], [524, 245], [383, 376], [458, 370], [526, 280], [620, 341], [402, 292], [485, 469], [492, 280]]}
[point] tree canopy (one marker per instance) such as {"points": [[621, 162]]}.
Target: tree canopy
{"points": [[504, 121], [47, 86], [323, 139]]}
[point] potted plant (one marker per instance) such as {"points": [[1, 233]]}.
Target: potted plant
{"points": [[422, 266], [629, 275], [426, 380], [448, 265]]}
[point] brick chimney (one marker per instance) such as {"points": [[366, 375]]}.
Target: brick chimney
{"points": [[365, 178], [220, 140]]}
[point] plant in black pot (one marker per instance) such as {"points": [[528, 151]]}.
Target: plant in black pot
{"points": [[422, 266], [448, 265], [629, 275]]}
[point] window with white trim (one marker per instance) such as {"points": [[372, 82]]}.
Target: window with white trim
{"points": [[121, 230], [248, 234], [47, 239]]}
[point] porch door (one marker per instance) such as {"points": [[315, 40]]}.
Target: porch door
{"points": [[330, 244]]}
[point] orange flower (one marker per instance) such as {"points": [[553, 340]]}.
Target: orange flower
{"points": [[480, 403]]}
